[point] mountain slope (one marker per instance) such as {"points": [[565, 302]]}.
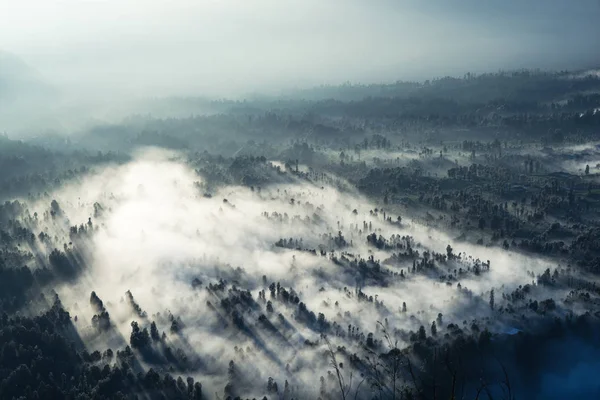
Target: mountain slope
{"points": [[19, 81]]}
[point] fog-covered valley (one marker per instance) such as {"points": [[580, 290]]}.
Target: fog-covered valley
{"points": [[201, 200]]}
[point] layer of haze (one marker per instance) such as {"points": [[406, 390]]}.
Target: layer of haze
{"points": [[232, 47], [157, 233]]}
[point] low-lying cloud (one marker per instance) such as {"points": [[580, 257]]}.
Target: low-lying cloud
{"points": [[156, 232]]}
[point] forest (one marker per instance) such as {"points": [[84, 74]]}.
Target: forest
{"points": [[409, 241]]}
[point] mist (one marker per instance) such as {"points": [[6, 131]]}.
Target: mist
{"points": [[155, 234], [227, 199], [229, 48]]}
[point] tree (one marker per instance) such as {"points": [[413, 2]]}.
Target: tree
{"points": [[54, 207], [197, 395], [139, 339], [270, 383], [587, 169], [96, 303], [321, 321], [481, 223], [492, 299], [344, 388], [63, 264], [422, 333], [154, 332], [449, 251], [175, 328]]}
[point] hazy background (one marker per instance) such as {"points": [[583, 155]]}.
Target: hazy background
{"points": [[231, 47]]}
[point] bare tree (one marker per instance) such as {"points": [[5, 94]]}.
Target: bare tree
{"points": [[344, 388]]}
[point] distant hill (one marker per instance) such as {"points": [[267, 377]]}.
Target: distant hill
{"points": [[19, 81], [27, 101]]}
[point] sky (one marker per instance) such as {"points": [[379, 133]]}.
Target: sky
{"points": [[226, 47]]}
